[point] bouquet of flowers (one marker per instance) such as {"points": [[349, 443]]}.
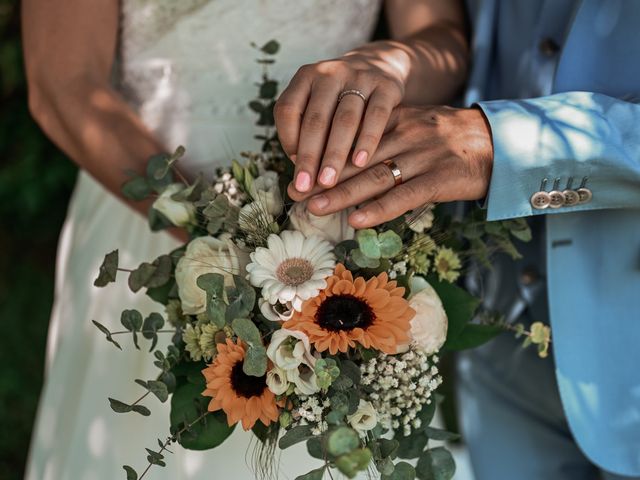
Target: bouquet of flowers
{"points": [[297, 327]]}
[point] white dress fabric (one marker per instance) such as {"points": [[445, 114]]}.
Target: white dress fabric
{"points": [[188, 68]]}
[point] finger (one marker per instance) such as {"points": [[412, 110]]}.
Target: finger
{"points": [[289, 109], [344, 127], [314, 131], [375, 122], [394, 203], [391, 146], [366, 185]]}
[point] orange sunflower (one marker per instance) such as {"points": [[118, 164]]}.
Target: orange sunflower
{"points": [[370, 312], [242, 397]]}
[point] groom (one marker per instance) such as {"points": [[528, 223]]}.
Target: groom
{"points": [[553, 135]]}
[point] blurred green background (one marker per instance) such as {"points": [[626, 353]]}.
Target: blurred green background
{"points": [[35, 184]]}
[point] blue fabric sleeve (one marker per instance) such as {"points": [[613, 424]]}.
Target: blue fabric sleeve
{"points": [[573, 134]]}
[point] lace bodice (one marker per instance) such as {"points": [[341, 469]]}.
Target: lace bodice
{"points": [[188, 68]]}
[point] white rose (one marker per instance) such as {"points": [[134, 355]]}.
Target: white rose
{"points": [[429, 325], [304, 378], [207, 255], [424, 222], [177, 212], [277, 381], [335, 227], [265, 189], [290, 348], [277, 312], [365, 417]]}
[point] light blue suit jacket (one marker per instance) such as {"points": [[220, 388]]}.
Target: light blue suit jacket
{"points": [[590, 127]]}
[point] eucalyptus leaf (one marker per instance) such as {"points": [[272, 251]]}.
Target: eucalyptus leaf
{"points": [[159, 174], [271, 47], [141, 409], [212, 283], [440, 435], [295, 435], [315, 448], [139, 277], [159, 389], [247, 331], [341, 441], [363, 261], [131, 473], [268, 89], [316, 474], [402, 471], [255, 361], [368, 243], [150, 326], [118, 406], [356, 461], [107, 333], [411, 447], [390, 244], [136, 189], [131, 320], [242, 299], [108, 270], [436, 464]]}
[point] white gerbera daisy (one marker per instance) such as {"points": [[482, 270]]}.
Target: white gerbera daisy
{"points": [[293, 268]]}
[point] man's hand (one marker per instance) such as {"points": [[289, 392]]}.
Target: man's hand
{"points": [[444, 154]]}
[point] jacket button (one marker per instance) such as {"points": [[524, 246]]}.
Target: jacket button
{"points": [[585, 195], [556, 199], [548, 47], [571, 197], [540, 200]]}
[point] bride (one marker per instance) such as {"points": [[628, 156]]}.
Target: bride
{"points": [[114, 82]]}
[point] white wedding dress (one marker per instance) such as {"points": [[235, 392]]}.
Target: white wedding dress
{"points": [[187, 67]]}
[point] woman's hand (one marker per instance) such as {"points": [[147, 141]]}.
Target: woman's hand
{"points": [[426, 64], [318, 132], [444, 154]]}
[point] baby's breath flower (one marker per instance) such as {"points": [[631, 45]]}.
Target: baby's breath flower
{"points": [[447, 264], [191, 338], [400, 386]]}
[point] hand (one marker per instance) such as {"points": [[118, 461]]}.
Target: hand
{"points": [[444, 154], [318, 133]]}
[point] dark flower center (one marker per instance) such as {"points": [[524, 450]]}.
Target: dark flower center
{"points": [[246, 385], [344, 312]]}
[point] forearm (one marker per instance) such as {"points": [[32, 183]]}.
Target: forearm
{"points": [[432, 63], [96, 129]]}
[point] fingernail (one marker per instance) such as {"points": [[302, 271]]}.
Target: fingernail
{"points": [[328, 176], [361, 158], [303, 182], [358, 217], [320, 201], [293, 158]]}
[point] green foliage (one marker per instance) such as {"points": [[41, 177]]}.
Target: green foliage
{"points": [[213, 285], [295, 435], [436, 464], [255, 361], [326, 370], [316, 474], [341, 441], [187, 405], [242, 299], [108, 270], [401, 471]]}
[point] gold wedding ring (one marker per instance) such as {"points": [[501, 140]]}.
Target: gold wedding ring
{"points": [[395, 171], [344, 93]]}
